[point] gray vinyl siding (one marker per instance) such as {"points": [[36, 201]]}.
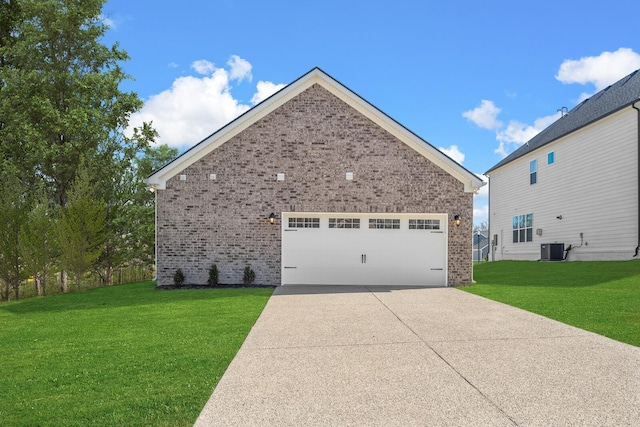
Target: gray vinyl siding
{"points": [[593, 184]]}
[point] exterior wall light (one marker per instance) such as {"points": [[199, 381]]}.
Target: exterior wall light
{"points": [[457, 220], [272, 218]]}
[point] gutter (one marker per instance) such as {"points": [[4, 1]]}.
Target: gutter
{"points": [[638, 129]]}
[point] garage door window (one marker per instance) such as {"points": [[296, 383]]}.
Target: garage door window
{"points": [[387, 224], [304, 222], [344, 223], [424, 224]]}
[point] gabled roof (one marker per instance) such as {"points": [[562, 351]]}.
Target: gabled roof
{"points": [[159, 178], [609, 100]]}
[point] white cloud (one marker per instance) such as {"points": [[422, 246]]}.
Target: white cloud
{"points": [[196, 106], [204, 67], [485, 115], [480, 213], [107, 21], [454, 153], [602, 70], [481, 202], [265, 90], [240, 69], [484, 191], [514, 134], [517, 133]]}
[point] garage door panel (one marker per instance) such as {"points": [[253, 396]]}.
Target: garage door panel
{"points": [[364, 256]]}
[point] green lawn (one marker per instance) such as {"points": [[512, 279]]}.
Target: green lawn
{"points": [[122, 355], [602, 297]]}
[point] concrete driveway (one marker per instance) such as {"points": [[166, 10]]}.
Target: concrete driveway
{"points": [[399, 357]]}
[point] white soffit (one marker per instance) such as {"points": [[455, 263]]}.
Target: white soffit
{"points": [[159, 179]]}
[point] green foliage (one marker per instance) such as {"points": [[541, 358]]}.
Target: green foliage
{"points": [[599, 296], [38, 245], [178, 278], [60, 107], [213, 275], [81, 227], [131, 356], [13, 215], [249, 276], [139, 213], [61, 100]]}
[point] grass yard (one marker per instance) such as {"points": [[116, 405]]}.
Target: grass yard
{"points": [[122, 355], [602, 297]]}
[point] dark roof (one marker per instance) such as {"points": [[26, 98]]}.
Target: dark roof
{"points": [[609, 100]]}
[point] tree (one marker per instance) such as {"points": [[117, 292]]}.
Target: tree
{"points": [[61, 88], [38, 245], [131, 210], [120, 186], [13, 212], [60, 98], [141, 212], [81, 227], [484, 226]]}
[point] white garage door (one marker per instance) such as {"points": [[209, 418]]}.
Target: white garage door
{"points": [[364, 249]]}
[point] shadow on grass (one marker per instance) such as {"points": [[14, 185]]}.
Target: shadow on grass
{"points": [[555, 274], [125, 295]]}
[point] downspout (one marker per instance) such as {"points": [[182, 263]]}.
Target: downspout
{"points": [[490, 236], [638, 166]]}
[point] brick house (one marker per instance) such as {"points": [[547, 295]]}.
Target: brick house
{"points": [[315, 186]]}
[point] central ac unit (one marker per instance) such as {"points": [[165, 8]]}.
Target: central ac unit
{"points": [[552, 251]]}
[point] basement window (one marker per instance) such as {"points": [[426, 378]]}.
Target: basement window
{"points": [[304, 222], [344, 222], [424, 224], [386, 224]]}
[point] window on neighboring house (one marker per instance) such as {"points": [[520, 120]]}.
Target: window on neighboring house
{"points": [[533, 171], [551, 158], [523, 228]]}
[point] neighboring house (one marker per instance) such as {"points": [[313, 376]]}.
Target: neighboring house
{"points": [[480, 245], [315, 186], [572, 191]]}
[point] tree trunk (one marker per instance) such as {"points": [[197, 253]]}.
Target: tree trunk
{"points": [[109, 276], [16, 289], [4, 292], [64, 282], [38, 283]]}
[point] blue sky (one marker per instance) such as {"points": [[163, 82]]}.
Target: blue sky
{"points": [[476, 79]]}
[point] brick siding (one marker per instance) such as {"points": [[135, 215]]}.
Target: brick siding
{"points": [[314, 139]]}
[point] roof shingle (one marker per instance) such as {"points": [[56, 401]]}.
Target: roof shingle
{"points": [[609, 100]]}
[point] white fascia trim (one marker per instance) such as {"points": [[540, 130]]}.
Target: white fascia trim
{"points": [[159, 179], [472, 183]]}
